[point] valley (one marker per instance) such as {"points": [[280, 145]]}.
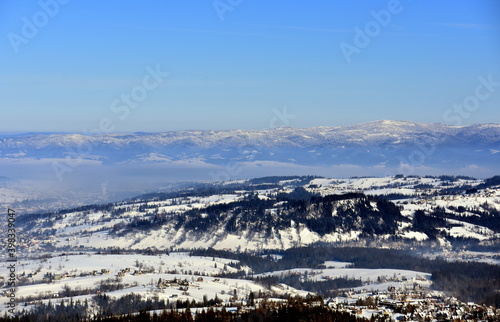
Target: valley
{"points": [[269, 239]]}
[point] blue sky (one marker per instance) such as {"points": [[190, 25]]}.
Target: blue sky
{"points": [[68, 66]]}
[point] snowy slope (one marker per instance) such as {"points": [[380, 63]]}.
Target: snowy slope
{"points": [[53, 278], [255, 214]]}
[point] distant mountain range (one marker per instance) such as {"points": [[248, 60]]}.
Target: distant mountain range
{"points": [[379, 144]]}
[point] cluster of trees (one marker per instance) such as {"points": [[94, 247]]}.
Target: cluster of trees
{"points": [[254, 213], [209, 189], [295, 309], [71, 312], [490, 182], [265, 216], [182, 191], [487, 215], [107, 285], [326, 288], [428, 223], [108, 308], [468, 281], [299, 206], [299, 180]]}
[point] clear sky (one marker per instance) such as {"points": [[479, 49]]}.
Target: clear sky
{"points": [[88, 65]]}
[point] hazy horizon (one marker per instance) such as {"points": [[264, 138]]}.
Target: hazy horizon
{"points": [[91, 67], [15, 133], [69, 66]]}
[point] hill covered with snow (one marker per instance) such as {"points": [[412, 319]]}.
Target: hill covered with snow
{"points": [[280, 213], [266, 240]]}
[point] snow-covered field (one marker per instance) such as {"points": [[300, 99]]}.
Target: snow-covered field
{"points": [[370, 277], [182, 262], [50, 278], [88, 274]]}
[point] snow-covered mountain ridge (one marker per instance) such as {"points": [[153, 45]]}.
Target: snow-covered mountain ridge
{"points": [[373, 148], [365, 134], [283, 212]]}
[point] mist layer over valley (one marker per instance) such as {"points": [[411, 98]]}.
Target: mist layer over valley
{"points": [[109, 167]]}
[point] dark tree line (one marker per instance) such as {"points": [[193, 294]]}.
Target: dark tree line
{"points": [[326, 288], [295, 309], [468, 281], [323, 215], [488, 216]]}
